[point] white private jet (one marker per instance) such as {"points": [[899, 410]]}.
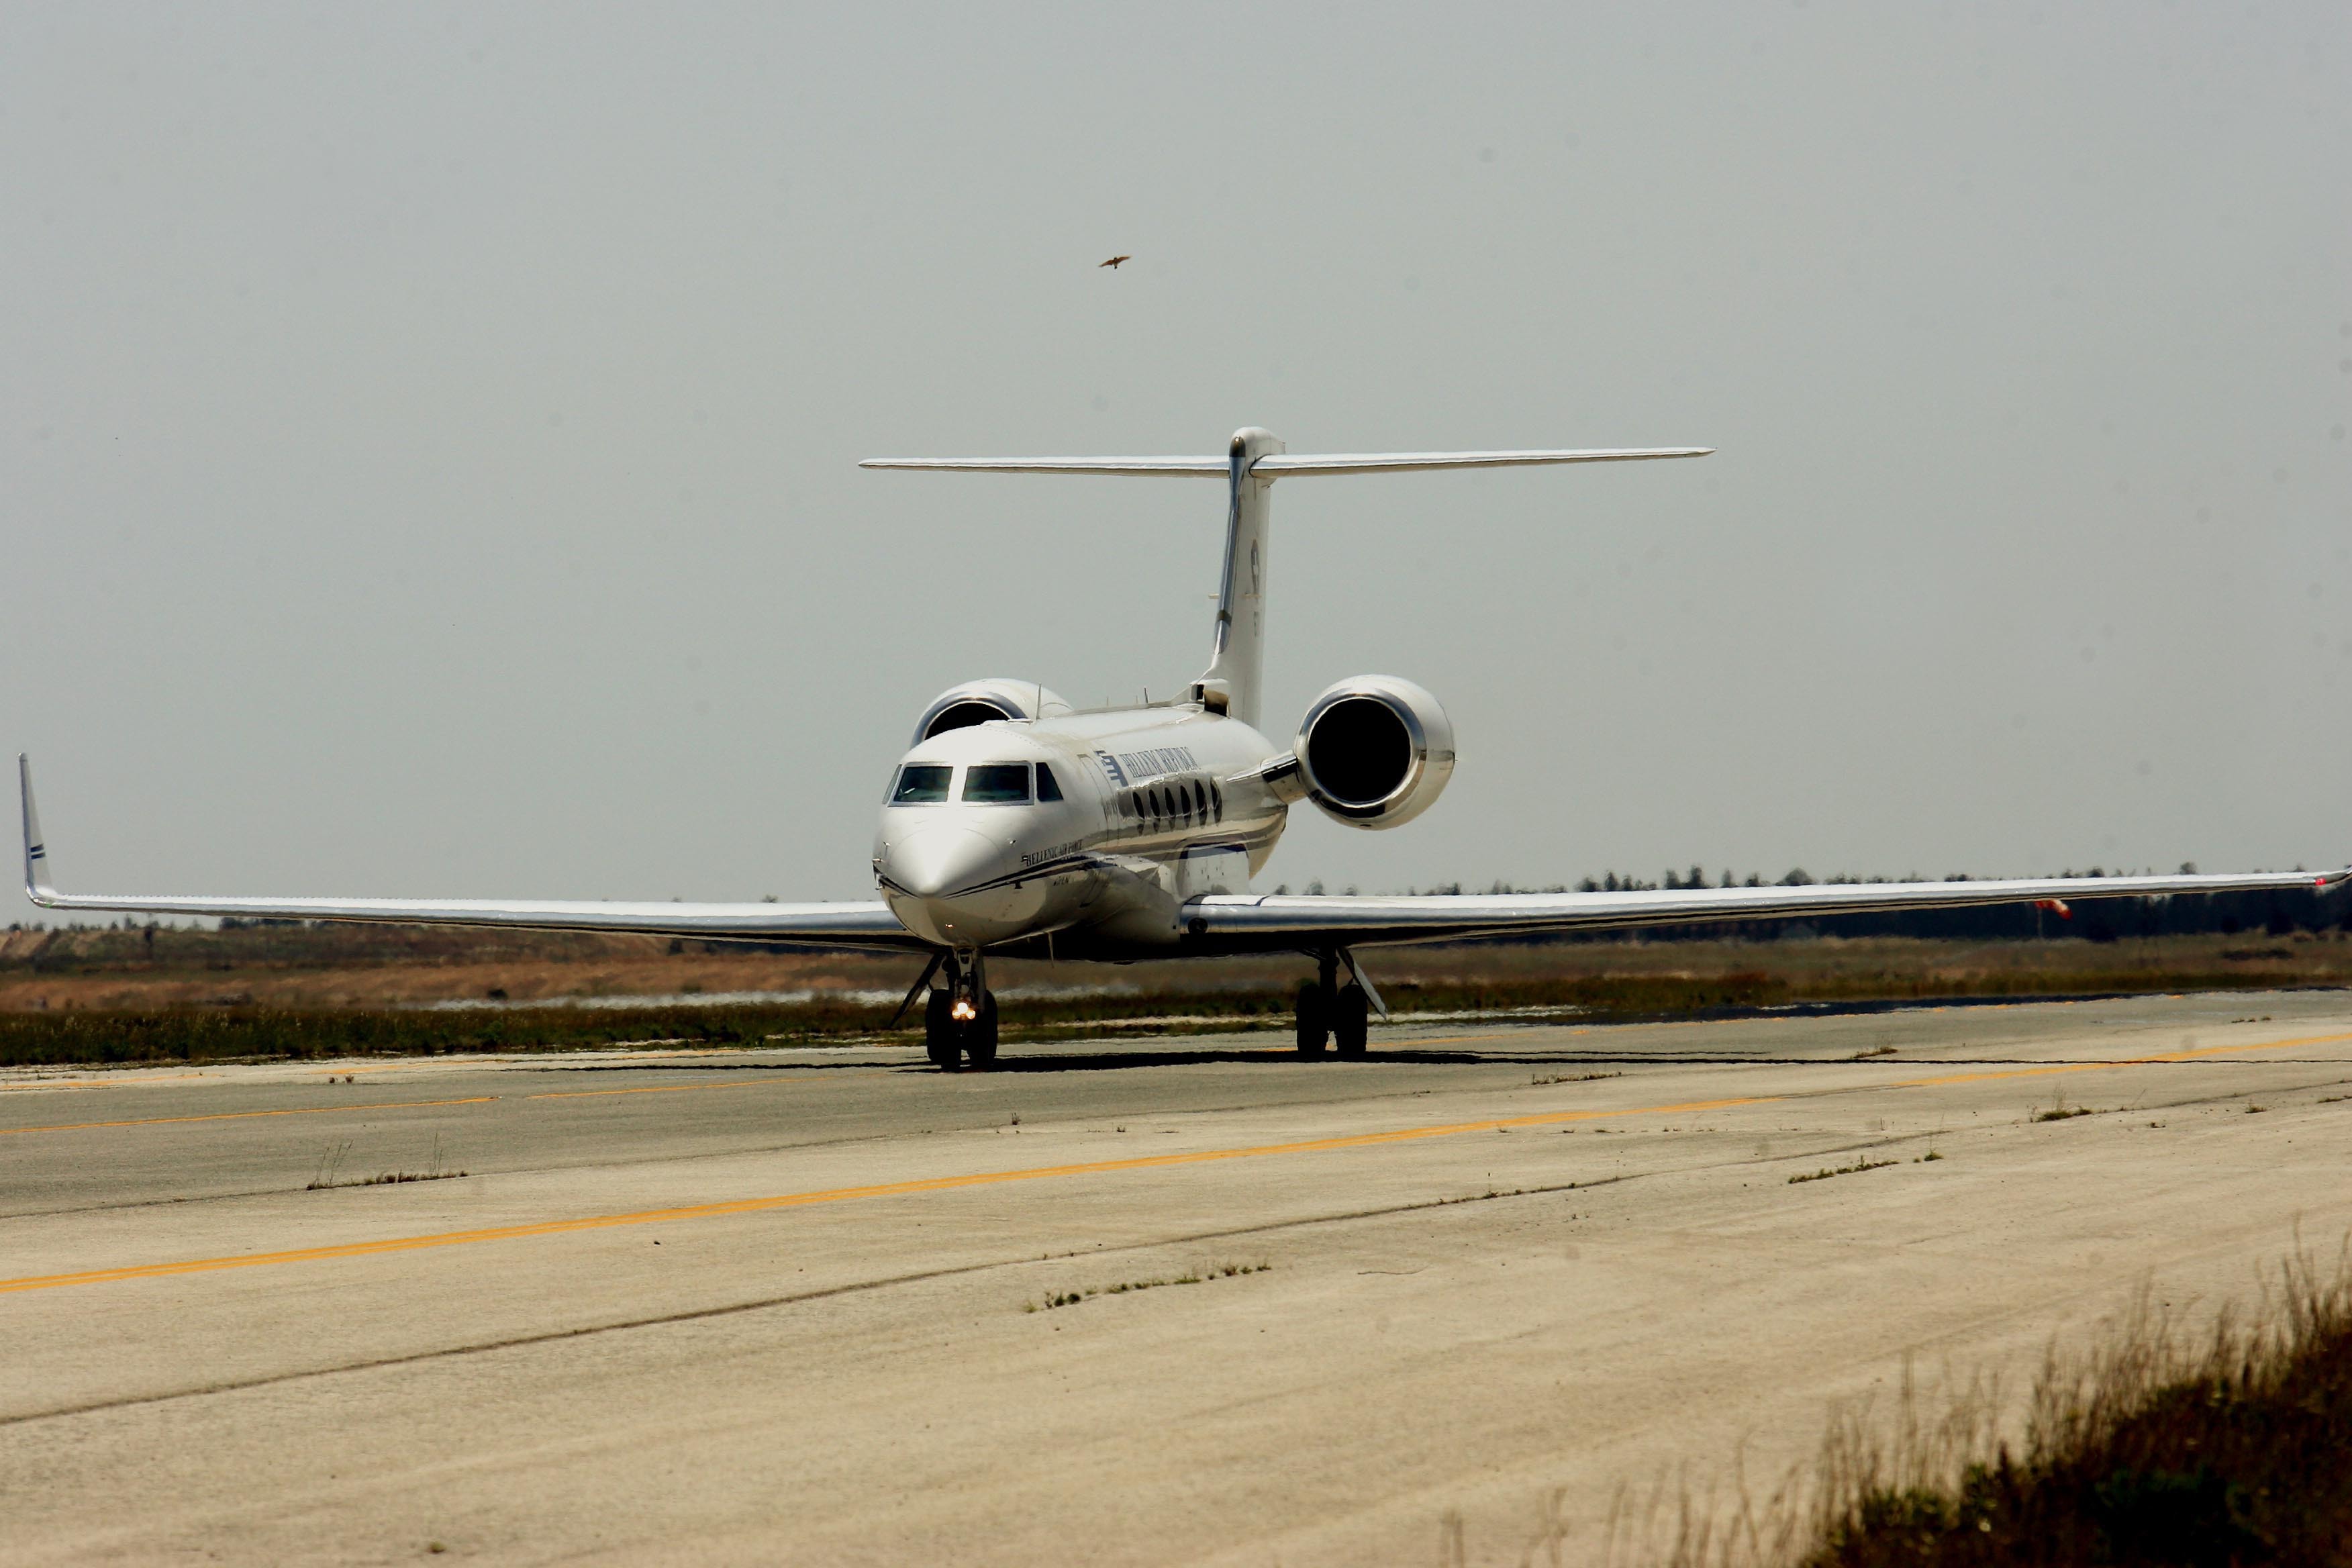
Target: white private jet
{"points": [[1019, 825]]}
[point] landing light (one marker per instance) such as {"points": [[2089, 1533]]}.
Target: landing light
{"points": [[962, 1012]]}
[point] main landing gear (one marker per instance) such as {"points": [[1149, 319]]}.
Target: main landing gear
{"points": [[959, 1020], [1330, 1011]]}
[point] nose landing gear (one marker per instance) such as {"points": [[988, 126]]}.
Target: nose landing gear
{"points": [[959, 1019]]}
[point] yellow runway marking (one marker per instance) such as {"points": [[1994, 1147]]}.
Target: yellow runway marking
{"points": [[688, 1088], [25, 1085], [2189, 1055], [840, 1194], [242, 1115], [995, 1178], [342, 1067]]}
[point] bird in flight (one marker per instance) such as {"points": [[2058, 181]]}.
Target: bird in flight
{"points": [[1114, 261]]}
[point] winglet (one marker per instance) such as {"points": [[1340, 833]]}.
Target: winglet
{"points": [[37, 853]]}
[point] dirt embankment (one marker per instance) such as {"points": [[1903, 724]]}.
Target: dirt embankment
{"points": [[367, 967]]}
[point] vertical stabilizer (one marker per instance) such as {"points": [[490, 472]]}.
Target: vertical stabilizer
{"points": [[1238, 661]]}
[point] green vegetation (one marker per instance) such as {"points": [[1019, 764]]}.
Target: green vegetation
{"points": [[2062, 1111]]}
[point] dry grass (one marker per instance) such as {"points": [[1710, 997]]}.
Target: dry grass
{"points": [[305, 993], [1856, 1169], [2165, 1443], [331, 1165], [313, 969], [1128, 1286]]}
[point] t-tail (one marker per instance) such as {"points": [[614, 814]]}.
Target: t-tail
{"points": [[1253, 462]]}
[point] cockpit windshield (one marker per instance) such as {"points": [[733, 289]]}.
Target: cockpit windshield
{"points": [[922, 784], [996, 784]]}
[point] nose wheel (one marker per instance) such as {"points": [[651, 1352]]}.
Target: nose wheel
{"points": [[959, 1019]]}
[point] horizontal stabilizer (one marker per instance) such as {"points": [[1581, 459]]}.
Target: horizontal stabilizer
{"points": [[1214, 467], [1284, 466], [1281, 466]]}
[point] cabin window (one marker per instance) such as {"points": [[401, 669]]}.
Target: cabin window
{"points": [[922, 784], [996, 784], [1200, 801], [1048, 787]]}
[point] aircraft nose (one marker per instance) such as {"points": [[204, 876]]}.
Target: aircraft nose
{"points": [[931, 861]]}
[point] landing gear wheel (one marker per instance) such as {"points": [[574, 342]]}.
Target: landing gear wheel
{"points": [[1350, 1020], [979, 1034], [1314, 1018], [940, 1032]]}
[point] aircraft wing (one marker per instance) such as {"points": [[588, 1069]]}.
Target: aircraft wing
{"points": [[1254, 923], [844, 925]]}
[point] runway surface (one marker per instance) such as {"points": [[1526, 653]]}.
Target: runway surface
{"points": [[793, 1306]]}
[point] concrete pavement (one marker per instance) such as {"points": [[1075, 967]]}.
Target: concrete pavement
{"points": [[789, 1306]]}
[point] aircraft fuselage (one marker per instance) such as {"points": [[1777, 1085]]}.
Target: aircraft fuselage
{"points": [[1155, 806]]}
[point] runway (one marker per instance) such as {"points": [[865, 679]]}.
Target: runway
{"points": [[795, 1306]]}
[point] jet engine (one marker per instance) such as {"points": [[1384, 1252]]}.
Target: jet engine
{"points": [[1375, 751], [979, 701]]}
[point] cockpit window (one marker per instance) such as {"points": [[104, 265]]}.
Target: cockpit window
{"points": [[922, 784], [1049, 788], [996, 784]]}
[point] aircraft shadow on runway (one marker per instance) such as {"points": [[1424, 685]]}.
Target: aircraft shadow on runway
{"points": [[1108, 1061]]}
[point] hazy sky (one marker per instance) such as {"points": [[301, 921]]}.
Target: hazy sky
{"points": [[430, 430]]}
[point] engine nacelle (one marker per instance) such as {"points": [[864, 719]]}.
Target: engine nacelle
{"points": [[979, 701], [1375, 751]]}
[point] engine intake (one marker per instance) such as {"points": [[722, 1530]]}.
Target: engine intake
{"points": [[982, 701], [1375, 752]]}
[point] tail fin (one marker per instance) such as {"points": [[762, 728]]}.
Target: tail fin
{"points": [[1237, 659], [1254, 462]]}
